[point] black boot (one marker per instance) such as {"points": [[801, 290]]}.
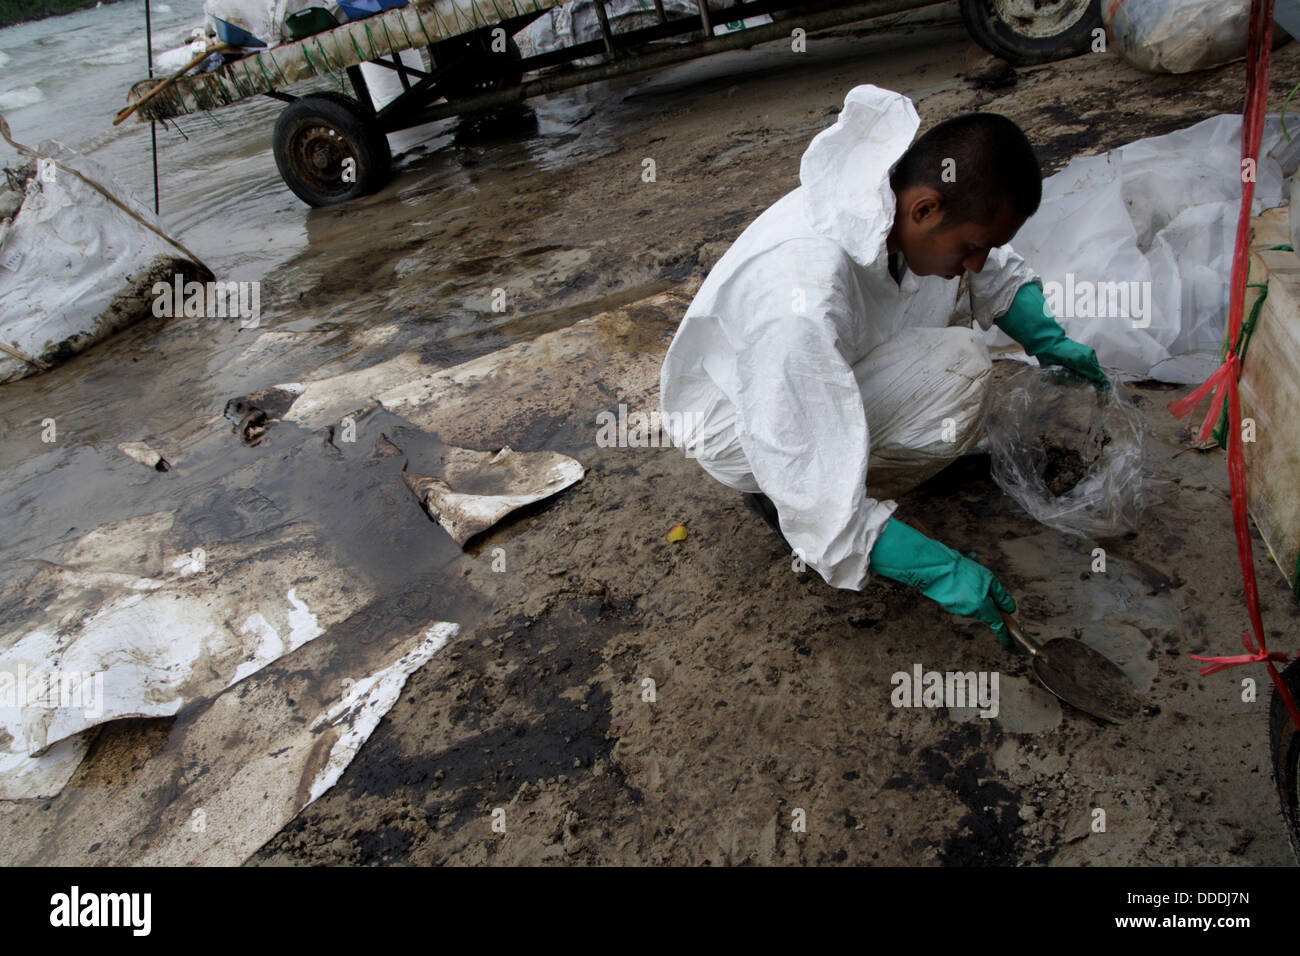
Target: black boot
{"points": [[762, 506]]}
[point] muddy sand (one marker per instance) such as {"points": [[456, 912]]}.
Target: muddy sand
{"points": [[618, 698]]}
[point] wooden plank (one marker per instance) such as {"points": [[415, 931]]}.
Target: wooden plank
{"points": [[1270, 394]]}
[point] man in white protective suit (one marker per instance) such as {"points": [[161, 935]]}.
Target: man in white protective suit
{"points": [[823, 368]]}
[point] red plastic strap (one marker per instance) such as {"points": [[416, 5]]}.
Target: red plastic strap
{"points": [[1256, 655], [1228, 372], [1223, 383]]}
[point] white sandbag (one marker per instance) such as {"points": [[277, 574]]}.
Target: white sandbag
{"points": [[1179, 36], [1154, 220], [74, 267]]}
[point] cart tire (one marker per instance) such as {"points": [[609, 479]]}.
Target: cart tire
{"points": [[316, 135], [1284, 740], [479, 69], [1025, 32]]}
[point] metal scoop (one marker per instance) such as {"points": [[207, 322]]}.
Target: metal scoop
{"points": [[1079, 675]]}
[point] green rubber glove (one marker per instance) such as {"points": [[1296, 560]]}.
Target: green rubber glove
{"points": [[1029, 321], [954, 581]]}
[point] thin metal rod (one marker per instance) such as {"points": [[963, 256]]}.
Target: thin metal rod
{"points": [[153, 124], [148, 38], [704, 16], [153, 136]]}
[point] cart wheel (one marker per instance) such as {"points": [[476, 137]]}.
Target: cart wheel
{"points": [[1025, 32], [1285, 744], [329, 150], [476, 68]]}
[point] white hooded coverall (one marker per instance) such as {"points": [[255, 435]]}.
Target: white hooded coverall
{"points": [[804, 371]]}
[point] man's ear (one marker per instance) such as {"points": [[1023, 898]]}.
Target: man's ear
{"points": [[925, 207]]}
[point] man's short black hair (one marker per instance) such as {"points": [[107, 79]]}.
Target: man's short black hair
{"points": [[992, 162]]}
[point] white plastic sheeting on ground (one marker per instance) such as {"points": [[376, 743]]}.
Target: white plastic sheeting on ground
{"points": [[128, 625], [1134, 247], [230, 775], [74, 268]]}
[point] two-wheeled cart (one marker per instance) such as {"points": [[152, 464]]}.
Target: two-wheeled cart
{"points": [[330, 147]]}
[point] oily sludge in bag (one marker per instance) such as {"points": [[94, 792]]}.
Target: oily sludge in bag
{"points": [[1069, 455]]}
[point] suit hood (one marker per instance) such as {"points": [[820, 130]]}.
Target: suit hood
{"points": [[845, 170]]}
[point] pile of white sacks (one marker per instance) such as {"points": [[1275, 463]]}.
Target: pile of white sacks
{"points": [[1135, 246]]}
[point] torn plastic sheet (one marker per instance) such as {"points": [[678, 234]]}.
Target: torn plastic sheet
{"points": [[1134, 246], [479, 488], [123, 622], [24, 777], [230, 775]]}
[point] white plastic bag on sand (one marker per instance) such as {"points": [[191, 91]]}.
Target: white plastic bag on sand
{"points": [[1134, 246], [1069, 455], [73, 266], [1179, 36]]}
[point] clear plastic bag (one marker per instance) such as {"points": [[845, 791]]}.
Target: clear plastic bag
{"points": [[1069, 455]]}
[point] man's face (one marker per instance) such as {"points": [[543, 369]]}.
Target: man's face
{"points": [[932, 249]]}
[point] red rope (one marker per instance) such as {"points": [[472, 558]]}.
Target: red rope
{"points": [[1223, 383]]}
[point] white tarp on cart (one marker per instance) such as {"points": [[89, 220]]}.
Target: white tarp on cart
{"points": [[1134, 247], [263, 19], [576, 22]]}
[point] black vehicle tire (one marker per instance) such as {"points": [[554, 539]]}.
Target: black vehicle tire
{"points": [[1025, 32], [1284, 741], [384, 171], [314, 137], [476, 69]]}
